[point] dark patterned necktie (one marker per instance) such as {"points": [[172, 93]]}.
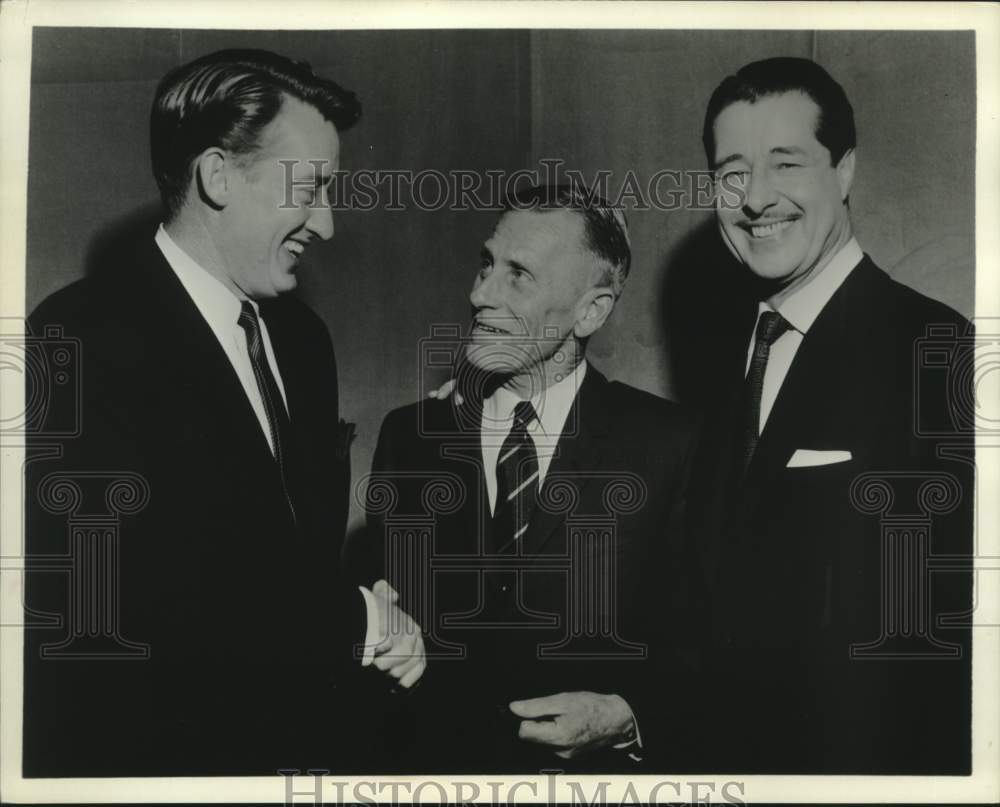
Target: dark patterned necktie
{"points": [[274, 407], [770, 326], [517, 480]]}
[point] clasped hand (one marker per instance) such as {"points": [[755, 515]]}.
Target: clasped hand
{"points": [[400, 649]]}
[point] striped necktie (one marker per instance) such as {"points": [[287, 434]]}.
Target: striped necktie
{"points": [[274, 407], [517, 480]]}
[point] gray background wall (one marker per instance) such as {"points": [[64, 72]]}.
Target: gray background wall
{"points": [[502, 100]]}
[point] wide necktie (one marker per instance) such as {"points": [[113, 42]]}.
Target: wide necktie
{"points": [[517, 480], [274, 406], [770, 326]]}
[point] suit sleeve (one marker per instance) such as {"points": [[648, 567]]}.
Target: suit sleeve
{"points": [[248, 651], [364, 557], [665, 697]]}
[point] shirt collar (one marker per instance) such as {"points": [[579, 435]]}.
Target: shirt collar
{"points": [[217, 304], [552, 404], [802, 306]]}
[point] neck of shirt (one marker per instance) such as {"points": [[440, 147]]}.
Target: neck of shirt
{"points": [[220, 309], [552, 406], [801, 310]]}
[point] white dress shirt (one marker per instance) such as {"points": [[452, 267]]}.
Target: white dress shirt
{"points": [[552, 407], [800, 308], [220, 308]]}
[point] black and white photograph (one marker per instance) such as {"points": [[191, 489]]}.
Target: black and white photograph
{"points": [[525, 401]]}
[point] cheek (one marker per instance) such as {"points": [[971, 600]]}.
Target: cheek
{"points": [[533, 315], [727, 221]]}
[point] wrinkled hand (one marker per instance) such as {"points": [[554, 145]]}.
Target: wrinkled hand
{"points": [[400, 651], [573, 723], [446, 389]]}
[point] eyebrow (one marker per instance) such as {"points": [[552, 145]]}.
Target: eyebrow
{"points": [[730, 159], [790, 150], [486, 255], [793, 150]]}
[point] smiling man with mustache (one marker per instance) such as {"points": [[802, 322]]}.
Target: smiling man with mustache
{"points": [[540, 451], [817, 664]]}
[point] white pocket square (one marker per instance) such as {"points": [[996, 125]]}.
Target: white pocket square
{"points": [[807, 458]]}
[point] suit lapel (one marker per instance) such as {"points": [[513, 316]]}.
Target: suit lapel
{"points": [[577, 452], [464, 457], [288, 354], [810, 389], [189, 353]]}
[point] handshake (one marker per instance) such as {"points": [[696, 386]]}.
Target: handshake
{"points": [[569, 723], [394, 643]]}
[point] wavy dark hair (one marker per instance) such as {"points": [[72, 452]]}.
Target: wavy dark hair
{"points": [[835, 123], [226, 99]]}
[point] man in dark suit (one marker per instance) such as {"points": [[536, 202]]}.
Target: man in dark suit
{"points": [[220, 638], [554, 499], [817, 503]]}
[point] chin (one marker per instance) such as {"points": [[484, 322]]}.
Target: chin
{"points": [[500, 359], [767, 271], [485, 356], [769, 267], [284, 283]]}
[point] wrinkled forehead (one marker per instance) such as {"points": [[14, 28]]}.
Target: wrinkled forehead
{"points": [[551, 244], [540, 231]]}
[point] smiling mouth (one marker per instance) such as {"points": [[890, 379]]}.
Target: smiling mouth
{"points": [[760, 231], [294, 248], [482, 327]]}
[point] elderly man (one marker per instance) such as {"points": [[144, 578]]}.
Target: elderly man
{"points": [[562, 523], [211, 392], [826, 655]]}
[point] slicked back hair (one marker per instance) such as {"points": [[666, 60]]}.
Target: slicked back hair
{"points": [[783, 74], [226, 99], [605, 228]]}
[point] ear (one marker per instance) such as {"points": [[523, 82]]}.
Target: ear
{"points": [[845, 173], [212, 172], [595, 307]]}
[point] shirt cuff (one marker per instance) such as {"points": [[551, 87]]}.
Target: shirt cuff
{"points": [[371, 629], [633, 740]]}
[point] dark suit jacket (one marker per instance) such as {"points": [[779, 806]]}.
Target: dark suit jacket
{"points": [[605, 533], [244, 619], [794, 558]]}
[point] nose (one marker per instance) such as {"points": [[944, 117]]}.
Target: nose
{"points": [[320, 222], [760, 194], [483, 290]]}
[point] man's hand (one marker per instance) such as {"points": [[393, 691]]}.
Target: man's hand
{"points": [[400, 651], [574, 723], [446, 389]]}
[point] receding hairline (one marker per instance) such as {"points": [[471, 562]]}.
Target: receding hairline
{"points": [[599, 263]]}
